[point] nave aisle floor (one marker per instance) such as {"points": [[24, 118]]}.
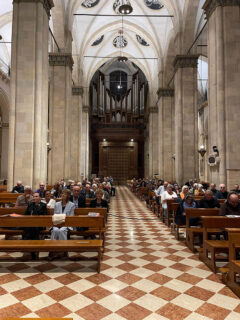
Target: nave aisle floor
{"points": [[145, 274]]}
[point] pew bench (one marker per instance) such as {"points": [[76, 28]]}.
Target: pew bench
{"points": [[213, 247], [234, 265], [191, 231], [53, 245]]}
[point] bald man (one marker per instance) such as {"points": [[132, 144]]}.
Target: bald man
{"points": [[231, 206]]}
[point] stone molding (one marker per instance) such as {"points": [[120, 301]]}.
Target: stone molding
{"points": [[210, 5], [61, 60], [85, 109], [186, 61], [77, 91], [165, 92], [4, 76], [153, 109], [47, 4], [4, 125]]}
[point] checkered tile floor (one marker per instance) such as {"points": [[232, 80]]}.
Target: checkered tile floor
{"points": [[145, 274]]}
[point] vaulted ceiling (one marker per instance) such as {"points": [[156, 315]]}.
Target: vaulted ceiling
{"points": [[143, 37]]}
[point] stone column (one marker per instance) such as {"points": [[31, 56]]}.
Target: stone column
{"points": [[166, 133], [186, 131], [60, 115], [84, 151], [153, 141], [4, 149], [29, 92], [76, 136], [224, 93]]}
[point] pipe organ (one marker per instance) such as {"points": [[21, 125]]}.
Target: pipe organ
{"points": [[118, 97]]}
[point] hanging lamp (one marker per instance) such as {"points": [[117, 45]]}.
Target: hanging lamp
{"points": [[125, 7]]}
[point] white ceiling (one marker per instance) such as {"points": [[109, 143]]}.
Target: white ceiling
{"points": [[157, 32]]}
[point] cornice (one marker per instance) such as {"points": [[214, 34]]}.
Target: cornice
{"points": [[165, 92], [61, 59], [153, 109], [85, 109], [47, 4], [5, 125], [186, 61], [4, 76], [210, 5], [77, 91]]}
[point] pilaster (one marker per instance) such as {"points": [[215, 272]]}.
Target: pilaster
{"points": [[153, 140], [210, 5], [166, 133], [186, 130], [84, 150], [60, 115]]}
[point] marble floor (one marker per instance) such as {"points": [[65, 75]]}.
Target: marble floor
{"points": [[145, 274]]}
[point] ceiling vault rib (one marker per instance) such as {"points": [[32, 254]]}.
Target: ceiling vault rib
{"points": [[124, 15]]}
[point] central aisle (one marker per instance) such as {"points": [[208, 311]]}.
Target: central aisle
{"points": [[145, 274]]}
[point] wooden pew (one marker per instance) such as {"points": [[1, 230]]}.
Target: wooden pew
{"points": [[191, 232], [234, 265], [215, 246], [150, 196], [9, 198], [171, 209], [53, 245]]}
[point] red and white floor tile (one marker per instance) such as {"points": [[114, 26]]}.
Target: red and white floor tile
{"points": [[145, 274]]}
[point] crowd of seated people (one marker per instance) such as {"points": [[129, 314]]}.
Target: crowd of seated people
{"points": [[207, 196], [63, 198]]}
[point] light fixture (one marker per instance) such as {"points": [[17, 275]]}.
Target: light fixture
{"points": [[125, 7], [215, 149], [132, 140], [202, 150], [104, 140], [122, 59]]}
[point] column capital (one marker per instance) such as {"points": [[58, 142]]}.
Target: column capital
{"points": [[47, 4], [165, 92], [77, 91], [210, 5], [85, 109], [4, 76], [61, 59], [186, 61], [153, 109]]}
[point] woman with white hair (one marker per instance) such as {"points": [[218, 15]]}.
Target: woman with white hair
{"points": [[167, 195], [185, 190]]}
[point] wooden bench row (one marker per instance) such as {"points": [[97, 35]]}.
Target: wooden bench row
{"points": [[98, 223]]}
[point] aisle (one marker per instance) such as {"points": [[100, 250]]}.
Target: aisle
{"points": [[145, 274]]}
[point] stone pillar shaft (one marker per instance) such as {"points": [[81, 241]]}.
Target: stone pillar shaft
{"points": [[60, 115], [166, 133], [84, 151], [29, 92], [153, 141], [224, 93], [185, 82]]}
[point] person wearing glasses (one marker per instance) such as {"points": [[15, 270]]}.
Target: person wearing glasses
{"points": [[222, 193], [41, 190]]}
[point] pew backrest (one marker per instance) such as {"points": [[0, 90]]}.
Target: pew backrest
{"points": [[199, 212]]}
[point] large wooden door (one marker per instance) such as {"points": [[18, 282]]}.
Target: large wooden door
{"points": [[119, 160]]}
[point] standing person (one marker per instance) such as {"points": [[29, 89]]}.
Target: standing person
{"points": [[35, 208], [19, 188], [24, 199]]}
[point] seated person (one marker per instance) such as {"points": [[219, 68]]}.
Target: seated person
{"points": [[105, 193], [231, 206], [166, 195], [19, 188], [213, 189], [209, 201], [188, 202], [41, 189], [24, 199], [185, 190], [87, 192], [35, 208], [48, 199], [63, 206], [222, 193], [199, 191], [236, 189], [99, 202], [78, 198]]}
